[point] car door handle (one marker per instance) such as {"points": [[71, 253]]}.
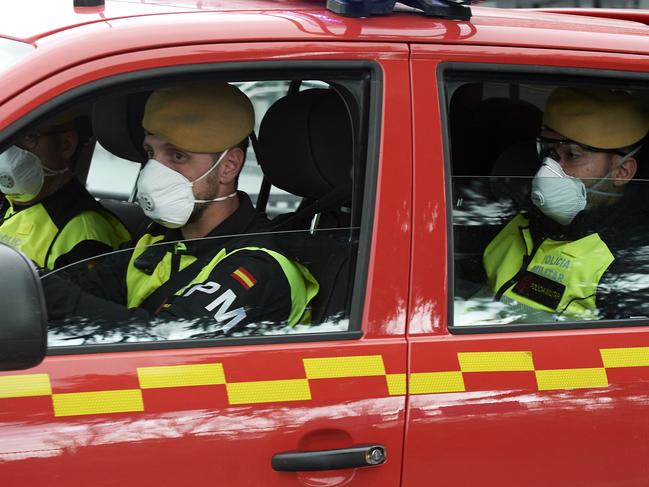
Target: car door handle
{"points": [[356, 456]]}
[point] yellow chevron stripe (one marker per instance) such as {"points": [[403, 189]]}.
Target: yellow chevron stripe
{"points": [[396, 384], [571, 379], [337, 367], [625, 357], [27, 385], [181, 376], [495, 361], [130, 400], [99, 402], [268, 391], [436, 382]]}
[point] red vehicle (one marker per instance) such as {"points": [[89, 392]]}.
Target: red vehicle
{"points": [[398, 381]]}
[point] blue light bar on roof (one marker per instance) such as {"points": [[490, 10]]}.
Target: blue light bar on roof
{"points": [[445, 9]]}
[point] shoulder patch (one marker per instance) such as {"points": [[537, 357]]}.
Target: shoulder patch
{"points": [[244, 277]]}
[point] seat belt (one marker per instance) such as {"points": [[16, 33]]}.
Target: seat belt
{"points": [[329, 201]]}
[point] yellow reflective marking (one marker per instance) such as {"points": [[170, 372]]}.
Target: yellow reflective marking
{"points": [[495, 361], [396, 384], [268, 391], [100, 402], [337, 367], [571, 378], [181, 375], [434, 382], [625, 357], [27, 385]]}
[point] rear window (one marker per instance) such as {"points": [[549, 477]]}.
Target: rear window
{"points": [[548, 230]]}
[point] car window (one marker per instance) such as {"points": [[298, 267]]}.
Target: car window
{"points": [[110, 176], [303, 249], [537, 240]]}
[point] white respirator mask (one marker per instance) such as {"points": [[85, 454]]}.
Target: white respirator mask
{"points": [[559, 196], [22, 174], [166, 196], [562, 197]]}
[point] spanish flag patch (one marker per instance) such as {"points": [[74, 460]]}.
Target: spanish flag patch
{"points": [[243, 276]]}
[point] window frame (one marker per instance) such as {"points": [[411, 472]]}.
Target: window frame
{"points": [[364, 80], [538, 75]]}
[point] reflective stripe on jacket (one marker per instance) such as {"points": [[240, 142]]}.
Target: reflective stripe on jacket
{"points": [[140, 285], [578, 265], [34, 232]]}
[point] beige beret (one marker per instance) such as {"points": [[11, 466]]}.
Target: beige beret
{"points": [[600, 118], [64, 118], [200, 118]]}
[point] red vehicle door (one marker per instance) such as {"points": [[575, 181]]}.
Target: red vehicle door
{"points": [[176, 413], [492, 403]]}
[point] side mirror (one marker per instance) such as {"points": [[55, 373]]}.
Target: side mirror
{"points": [[23, 316]]}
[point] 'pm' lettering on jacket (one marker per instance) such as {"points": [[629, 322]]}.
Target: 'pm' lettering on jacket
{"points": [[223, 302]]}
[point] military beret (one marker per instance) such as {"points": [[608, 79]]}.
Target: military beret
{"points": [[600, 118], [200, 118], [64, 118]]}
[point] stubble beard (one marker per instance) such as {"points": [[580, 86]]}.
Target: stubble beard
{"points": [[211, 192]]}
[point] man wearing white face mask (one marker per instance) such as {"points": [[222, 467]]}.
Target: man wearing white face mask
{"points": [[195, 262], [47, 213], [552, 264]]}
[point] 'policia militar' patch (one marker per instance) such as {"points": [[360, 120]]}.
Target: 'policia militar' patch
{"points": [[540, 289]]}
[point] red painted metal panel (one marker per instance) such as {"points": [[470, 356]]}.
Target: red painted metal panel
{"points": [[127, 28], [502, 429], [528, 408], [218, 431]]}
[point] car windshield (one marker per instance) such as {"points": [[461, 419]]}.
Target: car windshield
{"points": [[12, 51]]}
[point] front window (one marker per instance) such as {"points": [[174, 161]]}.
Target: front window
{"points": [[290, 272]]}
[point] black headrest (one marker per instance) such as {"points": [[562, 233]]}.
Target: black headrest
{"points": [[117, 122], [306, 143], [482, 129]]}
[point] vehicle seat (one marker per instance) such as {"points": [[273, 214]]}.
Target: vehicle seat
{"points": [[513, 172], [482, 129], [306, 148], [130, 214], [117, 123]]}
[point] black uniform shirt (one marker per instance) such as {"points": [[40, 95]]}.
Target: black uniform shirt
{"points": [[246, 287]]}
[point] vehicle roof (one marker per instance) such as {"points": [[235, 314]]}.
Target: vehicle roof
{"points": [[308, 19]]}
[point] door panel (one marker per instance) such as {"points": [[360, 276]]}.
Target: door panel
{"points": [[562, 408], [552, 407], [213, 415], [177, 417]]}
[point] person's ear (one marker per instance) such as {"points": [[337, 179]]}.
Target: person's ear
{"points": [[624, 172], [231, 165], [68, 142]]}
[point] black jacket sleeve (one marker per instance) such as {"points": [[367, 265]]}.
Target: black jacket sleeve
{"points": [[83, 253], [248, 288], [74, 291]]}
